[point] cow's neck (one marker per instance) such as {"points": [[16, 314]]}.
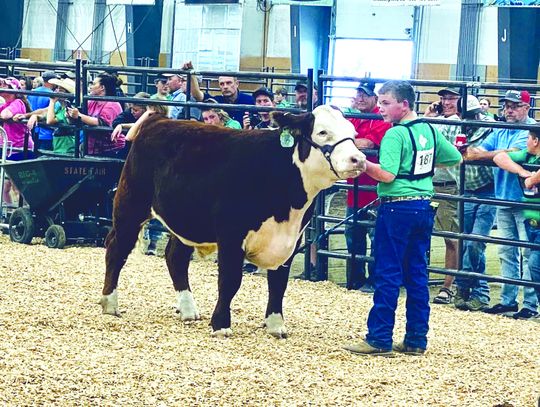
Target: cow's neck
{"points": [[315, 172]]}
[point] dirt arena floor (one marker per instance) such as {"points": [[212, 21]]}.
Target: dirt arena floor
{"points": [[56, 348]]}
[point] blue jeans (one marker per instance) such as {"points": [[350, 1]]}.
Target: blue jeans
{"points": [[510, 222], [478, 220], [402, 236], [534, 258], [356, 238]]}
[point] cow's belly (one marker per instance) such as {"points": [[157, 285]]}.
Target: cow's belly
{"points": [[274, 242]]}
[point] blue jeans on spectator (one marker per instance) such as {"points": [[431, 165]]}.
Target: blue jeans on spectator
{"points": [[511, 225], [534, 258], [478, 220], [356, 239], [403, 235]]}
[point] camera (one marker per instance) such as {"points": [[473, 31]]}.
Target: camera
{"points": [[67, 103], [439, 108]]}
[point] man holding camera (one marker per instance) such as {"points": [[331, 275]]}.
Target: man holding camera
{"points": [[445, 182], [263, 97]]}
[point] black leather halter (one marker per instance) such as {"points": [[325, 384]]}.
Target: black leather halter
{"points": [[327, 150]]}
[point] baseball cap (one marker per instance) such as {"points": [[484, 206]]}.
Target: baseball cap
{"points": [[518, 96], [367, 87], [168, 75], [48, 75], [446, 91], [13, 83], [263, 91], [473, 105], [303, 84]]}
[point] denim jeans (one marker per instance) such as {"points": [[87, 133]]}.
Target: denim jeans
{"points": [[533, 234], [478, 220], [402, 235], [356, 239], [510, 222]]}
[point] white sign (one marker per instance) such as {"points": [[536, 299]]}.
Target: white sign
{"points": [[405, 2], [132, 2], [327, 3]]}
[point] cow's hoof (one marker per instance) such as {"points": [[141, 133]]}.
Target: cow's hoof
{"points": [[275, 326], [186, 307], [109, 304], [222, 333]]}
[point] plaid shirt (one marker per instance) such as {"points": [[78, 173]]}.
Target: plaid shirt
{"points": [[449, 132], [478, 176]]}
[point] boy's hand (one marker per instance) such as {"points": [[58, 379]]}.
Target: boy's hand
{"points": [[523, 173], [529, 183]]}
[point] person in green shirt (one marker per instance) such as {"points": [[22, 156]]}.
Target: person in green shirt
{"points": [[407, 158], [63, 138], [510, 161]]}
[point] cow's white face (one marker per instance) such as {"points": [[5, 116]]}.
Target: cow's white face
{"points": [[333, 136]]}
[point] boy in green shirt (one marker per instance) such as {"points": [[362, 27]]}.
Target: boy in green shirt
{"points": [[409, 152], [510, 161]]}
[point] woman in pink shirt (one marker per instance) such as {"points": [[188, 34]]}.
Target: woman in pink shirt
{"points": [[14, 104], [101, 114]]}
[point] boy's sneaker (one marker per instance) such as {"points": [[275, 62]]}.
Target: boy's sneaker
{"points": [[460, 299], [501, 309], [249, 268], [365, 349], [525, 313], [367, 289], [408, 350], [475, 305]]}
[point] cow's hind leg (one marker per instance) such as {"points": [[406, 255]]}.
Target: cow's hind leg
{"points": [[128, 217], [277, 284], [178, 256], [230, 259]]}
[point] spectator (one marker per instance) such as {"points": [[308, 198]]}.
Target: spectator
{"points": [[13, 104], [232, 96], [26, 83], [369, 135], [37, 82], [301, 94], [219, 117], [510, 221], [445, 182], [162, 89], [263, 97], [100, 114], [473, 294], [125, 119], [280, 98], [485, 104], [511, 162], [63, 138], [177, 85], [409, 153], [39, 105]]}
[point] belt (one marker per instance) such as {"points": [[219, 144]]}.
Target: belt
{"points": [[444, 183], [533, 223], [386, 199]]}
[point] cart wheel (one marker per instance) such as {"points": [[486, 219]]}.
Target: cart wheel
{"points": [[55, 237], [21, 226]]}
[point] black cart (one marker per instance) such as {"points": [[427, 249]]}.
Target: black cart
{"points": [[69, 200]]}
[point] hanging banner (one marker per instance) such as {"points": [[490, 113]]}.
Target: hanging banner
{"points": [[405, 2], [132, 2], [327, 3], [510, 3]]}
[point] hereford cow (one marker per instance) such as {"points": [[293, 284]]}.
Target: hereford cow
{"points": [[248, 193]]}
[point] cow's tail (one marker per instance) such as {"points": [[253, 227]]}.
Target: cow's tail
{"points": [[147, 116]]}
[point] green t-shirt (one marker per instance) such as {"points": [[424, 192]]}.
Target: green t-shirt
{"points": [[523, 157], [396, 156], [233, 124], [63, 142]]}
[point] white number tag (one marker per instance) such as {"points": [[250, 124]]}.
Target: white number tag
{"points": [[424, 162]]}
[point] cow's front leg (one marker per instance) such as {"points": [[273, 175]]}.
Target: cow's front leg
{"points": [[277, 284], [178, 256], [230, 260]]}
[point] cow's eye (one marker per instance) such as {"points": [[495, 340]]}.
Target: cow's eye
{"points": [[323, 133]]}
